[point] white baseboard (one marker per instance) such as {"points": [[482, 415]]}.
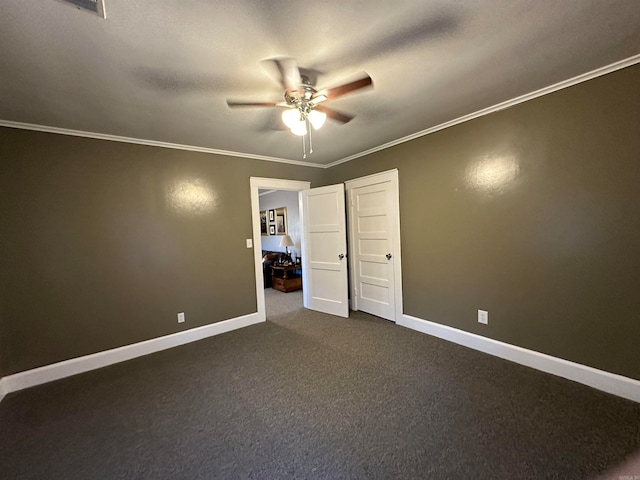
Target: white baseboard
{"points": [[74, 366], [608, 382], [599, 379], [3, 392]]}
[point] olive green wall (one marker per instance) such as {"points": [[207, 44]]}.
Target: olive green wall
{"points": [[103, 243], [531, 213]]}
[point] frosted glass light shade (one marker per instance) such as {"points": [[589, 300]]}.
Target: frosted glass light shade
{"points": [[299, 128], [290, 117], [317, 119]]}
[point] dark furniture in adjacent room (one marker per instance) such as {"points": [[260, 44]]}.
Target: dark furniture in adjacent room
{"points": [[286, 278], [270, 258]]}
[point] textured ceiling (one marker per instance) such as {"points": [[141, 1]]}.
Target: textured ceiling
{"points": [[162, 71]]}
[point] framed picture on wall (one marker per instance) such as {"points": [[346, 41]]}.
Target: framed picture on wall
{"points": [[272, 216], [272, 229], [281, 226], [263, 223]]}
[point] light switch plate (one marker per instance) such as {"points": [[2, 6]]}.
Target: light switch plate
{"points": [[249, 243], [181, 317], [483, 316]]}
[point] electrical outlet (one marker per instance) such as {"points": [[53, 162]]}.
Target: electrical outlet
{"points": [[249, 243], [181, 317], [483, 316]]}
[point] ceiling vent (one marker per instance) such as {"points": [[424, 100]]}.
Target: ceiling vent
{"points": [[93, 6]]}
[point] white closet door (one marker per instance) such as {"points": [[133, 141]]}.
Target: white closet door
{"points": [[374, 244]]}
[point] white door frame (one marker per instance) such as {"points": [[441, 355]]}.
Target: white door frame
{"points": [[387, 176], [257, 183]]}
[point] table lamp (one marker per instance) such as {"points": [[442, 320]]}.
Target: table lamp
{"points": [[286, 242]]}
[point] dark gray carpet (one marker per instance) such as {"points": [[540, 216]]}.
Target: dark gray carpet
{"points": [[307, 395]]}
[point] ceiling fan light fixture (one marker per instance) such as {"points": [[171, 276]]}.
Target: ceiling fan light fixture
{"points": [[317, 119], [301, 98], [291, 117], [299, 128]]}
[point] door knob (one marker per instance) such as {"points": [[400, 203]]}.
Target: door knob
{"points": [[388, 255], [341, 256]]}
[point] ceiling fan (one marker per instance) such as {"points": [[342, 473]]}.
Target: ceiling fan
{"points": [[303, 102]]}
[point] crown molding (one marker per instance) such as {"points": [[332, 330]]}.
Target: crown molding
{"points": [[598, 72], [152, 143]]}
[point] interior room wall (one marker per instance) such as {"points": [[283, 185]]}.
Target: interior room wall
{"points": [[530, 213], [103, 243], [277, 199]]}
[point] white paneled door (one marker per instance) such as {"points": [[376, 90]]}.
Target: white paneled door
{"points": [[372, 223], [324, 250]]}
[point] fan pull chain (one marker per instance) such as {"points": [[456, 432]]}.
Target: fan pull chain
{"points": [[304, 148]]}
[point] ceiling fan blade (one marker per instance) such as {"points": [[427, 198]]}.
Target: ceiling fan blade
{"points": [[283, 70], [334, 114], [234, 104], [335, 92]]}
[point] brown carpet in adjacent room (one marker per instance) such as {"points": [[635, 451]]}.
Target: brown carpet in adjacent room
{"points": [[307, 395]]}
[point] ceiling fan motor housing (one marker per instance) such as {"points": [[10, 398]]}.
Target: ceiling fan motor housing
{"points": [[300, 95]]}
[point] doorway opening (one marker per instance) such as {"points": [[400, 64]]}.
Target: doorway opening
{"points": [[275, 214], [373, 251], [281, 244]]}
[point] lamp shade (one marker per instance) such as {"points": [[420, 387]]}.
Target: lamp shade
{"points": [[286, 241]]}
